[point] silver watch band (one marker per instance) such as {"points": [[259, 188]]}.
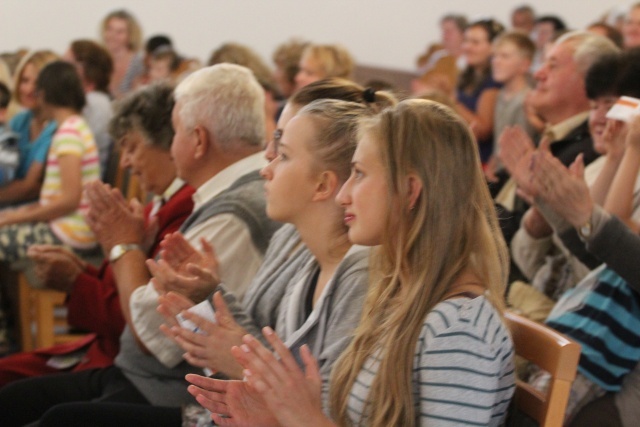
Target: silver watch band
{"points": [[119, 250]]}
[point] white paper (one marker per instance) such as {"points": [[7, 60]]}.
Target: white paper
{"points": [[625, 109]]}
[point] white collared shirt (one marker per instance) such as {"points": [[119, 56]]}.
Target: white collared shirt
{"points": [[159, 200], [223, 179]]}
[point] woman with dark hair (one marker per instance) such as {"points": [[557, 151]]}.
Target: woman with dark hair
{"points": [[72, 161], [477, 92]]}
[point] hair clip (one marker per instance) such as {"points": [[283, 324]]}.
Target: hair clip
{"points": [[369, 95]]}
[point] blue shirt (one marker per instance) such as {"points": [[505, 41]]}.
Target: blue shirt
{"points": [[470, 100], [30, 151]]}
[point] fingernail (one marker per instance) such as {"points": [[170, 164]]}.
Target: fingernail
{"points": [[245, 348], [247, 373], [267, 330]]}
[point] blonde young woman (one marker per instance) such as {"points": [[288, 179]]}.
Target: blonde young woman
{"points": [[431, 348], [34, 130]]}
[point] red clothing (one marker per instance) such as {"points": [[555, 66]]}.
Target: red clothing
{"points": [[94, 306]]}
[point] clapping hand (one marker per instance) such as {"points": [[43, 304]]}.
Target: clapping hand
{"points": [[183, 269]]}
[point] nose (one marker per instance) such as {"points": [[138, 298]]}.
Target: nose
{"points": [[270, 151], [541, 74], [267, 171], [343, 198]]}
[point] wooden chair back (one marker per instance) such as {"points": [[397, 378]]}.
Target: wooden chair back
{"points": [[552, 352]]}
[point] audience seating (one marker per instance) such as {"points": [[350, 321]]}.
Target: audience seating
{"points": [[40, 308], [552, 352]]}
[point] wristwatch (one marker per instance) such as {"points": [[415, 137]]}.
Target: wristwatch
{"points": [[585, 230], [118, 250]]}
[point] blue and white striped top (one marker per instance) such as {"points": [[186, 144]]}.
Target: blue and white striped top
{"points": [[602, 313], [463, 372]]}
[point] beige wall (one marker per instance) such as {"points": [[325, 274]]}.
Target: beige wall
{"points": [[387, 33]]}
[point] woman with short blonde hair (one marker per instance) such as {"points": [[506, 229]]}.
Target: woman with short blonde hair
{"points": [[321, 61]]}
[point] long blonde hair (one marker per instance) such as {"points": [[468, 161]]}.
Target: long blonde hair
{"points": [[452, 229]]}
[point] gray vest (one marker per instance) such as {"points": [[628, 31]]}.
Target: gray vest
{"points": [[166, 386], [244, 199]]}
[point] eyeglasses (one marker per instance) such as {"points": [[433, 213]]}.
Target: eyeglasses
{"points": [[277, 136]]}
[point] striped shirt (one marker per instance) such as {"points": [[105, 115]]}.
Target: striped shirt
{"points": [[73, 138], [463, 370], [602, 313]]}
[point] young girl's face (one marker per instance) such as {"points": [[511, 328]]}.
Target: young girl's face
{"points": [[598, 120], [159, 70], [290, 179], [365, 195]]}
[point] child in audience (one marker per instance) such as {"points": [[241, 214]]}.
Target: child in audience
{"points": [[512, 55], [431, 345], [72, 161], [163, 64]]}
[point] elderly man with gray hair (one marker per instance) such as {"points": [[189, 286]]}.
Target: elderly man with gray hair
{"points": [[560, 98], [219, 134]]}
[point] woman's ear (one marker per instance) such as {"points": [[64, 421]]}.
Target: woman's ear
{"points": [[414, 186], [327, 186]]}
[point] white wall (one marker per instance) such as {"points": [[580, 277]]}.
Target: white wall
{"points": [[378, 32]]}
